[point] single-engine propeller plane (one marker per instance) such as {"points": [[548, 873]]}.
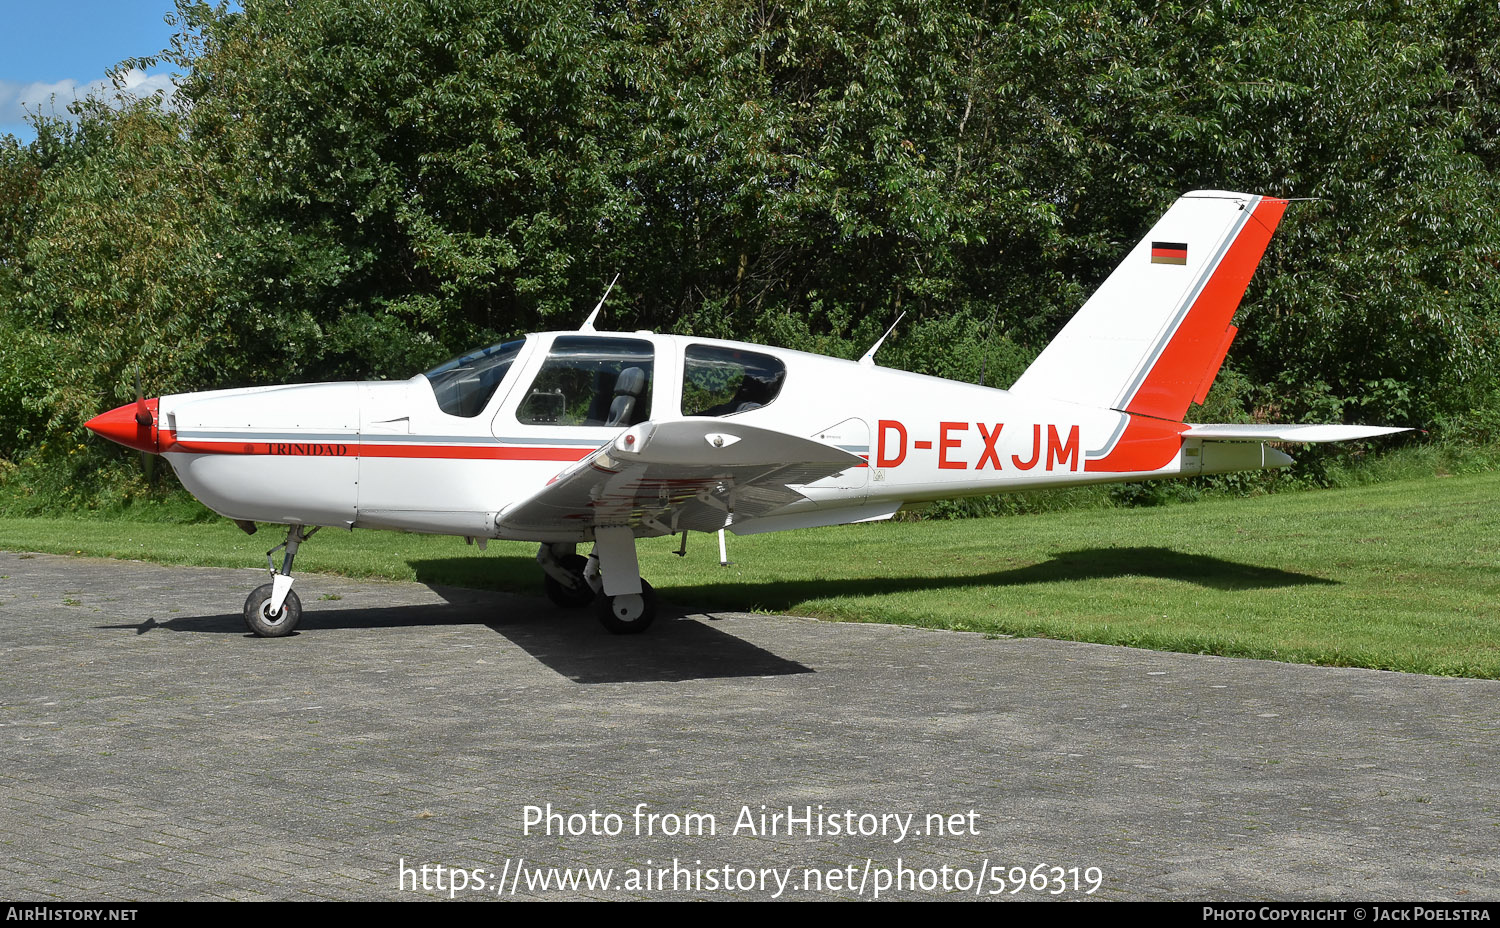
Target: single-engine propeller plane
{"points": [[588, 437]]}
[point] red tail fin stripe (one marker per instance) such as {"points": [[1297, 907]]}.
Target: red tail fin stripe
{"points": [[1178, 373], [1212, 372]]}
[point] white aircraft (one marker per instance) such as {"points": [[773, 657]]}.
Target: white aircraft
{"points": [[599, 437]]}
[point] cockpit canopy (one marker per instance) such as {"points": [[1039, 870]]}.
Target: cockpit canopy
{"points": [[606, 381]]}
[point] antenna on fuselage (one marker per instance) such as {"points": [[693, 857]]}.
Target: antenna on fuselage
{"points": [[984, 359], [588, 324], [869, 359]]}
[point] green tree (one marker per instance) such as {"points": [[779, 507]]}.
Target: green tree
{"points": [[106, 271], [406, 178], [359, 188]]}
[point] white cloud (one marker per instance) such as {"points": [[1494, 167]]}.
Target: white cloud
{"points": [[16, 98]]}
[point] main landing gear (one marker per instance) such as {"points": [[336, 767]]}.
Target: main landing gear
{"points": [[566, 575], [627, 604], [273, 610]]}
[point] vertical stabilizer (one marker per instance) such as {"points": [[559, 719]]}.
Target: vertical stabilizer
{"points": [[1152, 337]]}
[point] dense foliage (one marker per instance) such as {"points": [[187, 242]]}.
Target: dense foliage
{"points": [[359, 188]]}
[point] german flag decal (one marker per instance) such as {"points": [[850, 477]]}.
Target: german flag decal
{"points": [[1169, 252]]}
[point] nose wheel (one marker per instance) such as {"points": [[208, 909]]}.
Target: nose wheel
{"points": [[273, 610], [268, 623]]}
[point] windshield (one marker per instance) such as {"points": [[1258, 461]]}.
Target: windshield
{"points": [[463, 386]]}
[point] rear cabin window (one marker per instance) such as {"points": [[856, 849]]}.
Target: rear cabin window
{"points": [[718, 381], [591, 381], [463, 386]]}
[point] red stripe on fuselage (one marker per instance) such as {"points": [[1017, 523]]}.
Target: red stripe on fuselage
{"points": [[1178, 373], [171, 444]]}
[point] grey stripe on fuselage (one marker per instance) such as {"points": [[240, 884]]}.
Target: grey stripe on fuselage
{"points": [[1109, 443]]}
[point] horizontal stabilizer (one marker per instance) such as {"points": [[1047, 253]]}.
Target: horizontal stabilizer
{"points": [[1291, 433]]}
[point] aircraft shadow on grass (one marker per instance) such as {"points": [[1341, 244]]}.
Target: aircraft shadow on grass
{"points": [[686, 650], [1070, 566]]}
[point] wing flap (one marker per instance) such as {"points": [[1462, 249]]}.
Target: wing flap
{"points": [[679, 474]]}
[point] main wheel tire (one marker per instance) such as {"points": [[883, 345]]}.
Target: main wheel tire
{"points": [[575, 597], [630, 614], [260, 619]]}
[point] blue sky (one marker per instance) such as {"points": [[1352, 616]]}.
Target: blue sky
{"points": [[62, 47]]}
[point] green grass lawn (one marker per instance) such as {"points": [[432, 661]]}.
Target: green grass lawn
{"points": [[1399, 576]]}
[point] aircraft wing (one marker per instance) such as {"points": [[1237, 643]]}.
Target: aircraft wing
{"points": [[696, 474], [1290, 433]]}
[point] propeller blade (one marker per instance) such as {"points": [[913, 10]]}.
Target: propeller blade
{"points": [[143, 415], [132, 425]]}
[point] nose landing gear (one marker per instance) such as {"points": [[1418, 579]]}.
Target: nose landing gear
{"points": [[272, 610], [267, 622]]}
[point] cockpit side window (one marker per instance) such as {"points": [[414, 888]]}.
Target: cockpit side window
{"points": [[591, 381], [464, 385], [718, 381]]}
